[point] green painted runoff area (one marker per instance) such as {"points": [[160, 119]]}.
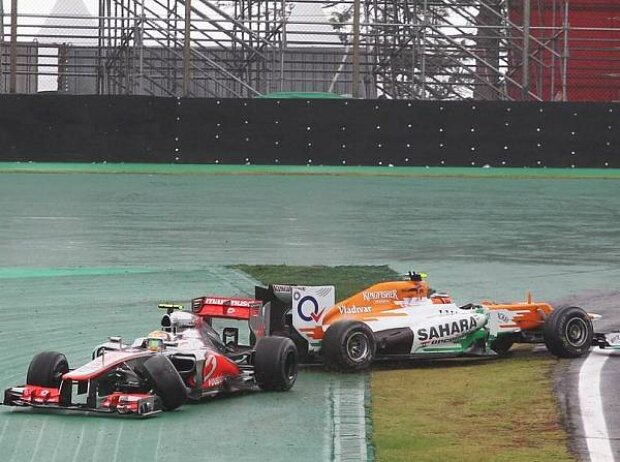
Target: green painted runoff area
{"points": [[85, 256], [385, 170], [73, 313]]}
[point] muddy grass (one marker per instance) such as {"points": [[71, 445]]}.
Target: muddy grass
{"points": [[471, 410]]}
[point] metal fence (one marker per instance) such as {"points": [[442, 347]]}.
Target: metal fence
{"points": [[535, 50]]}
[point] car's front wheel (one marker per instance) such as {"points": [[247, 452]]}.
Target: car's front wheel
{"points": [[46, 369], [166, 381], [568, 332]]}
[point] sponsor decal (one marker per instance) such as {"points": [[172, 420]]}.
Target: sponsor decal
{"points": [[380, 295], [209, 368], [448, 329], [215, 381], [230, 311], [503, 317], [281, 288], [91, 367], [308, 308], [229, 301], [354, 309], [613, 339], [445, 340]]}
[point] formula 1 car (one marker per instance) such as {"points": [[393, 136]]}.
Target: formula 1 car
{"points": [[184, 359], [403, 318]]}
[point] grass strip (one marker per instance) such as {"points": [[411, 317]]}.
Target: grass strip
{"points": [[469, 410], [347, 279], [459, 409], [258, 170]]}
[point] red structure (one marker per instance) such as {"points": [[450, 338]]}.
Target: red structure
{"points": [[580, 58]]}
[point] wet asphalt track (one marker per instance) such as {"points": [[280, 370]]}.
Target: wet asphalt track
{"points": [[598, 437], [86, 256]]}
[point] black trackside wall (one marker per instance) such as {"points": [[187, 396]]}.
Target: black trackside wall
{"points": [[55, 128]]}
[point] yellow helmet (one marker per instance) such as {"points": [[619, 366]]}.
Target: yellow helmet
{"points": [[159, 334]]}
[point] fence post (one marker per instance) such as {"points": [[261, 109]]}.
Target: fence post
{"points": [[526, 50], [187, 51], [282, 43], [13, 60], [355, 87]]}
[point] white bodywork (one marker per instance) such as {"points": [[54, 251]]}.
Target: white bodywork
{"points": [[436, 327]]}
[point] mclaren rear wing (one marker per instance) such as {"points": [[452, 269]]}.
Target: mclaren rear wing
{"points": [[226, 307]]}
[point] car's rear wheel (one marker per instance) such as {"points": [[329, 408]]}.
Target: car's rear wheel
{"points": [[568, 332], [46, 369], [275, 363], [502, 344], [166, 381], [348, 346]]}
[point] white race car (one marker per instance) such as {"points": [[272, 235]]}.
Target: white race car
{"points": [[403, 318]]}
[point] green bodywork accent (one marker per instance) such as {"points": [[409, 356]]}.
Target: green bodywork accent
{"points": [[464, 343], [442, 350], [469, 340]]}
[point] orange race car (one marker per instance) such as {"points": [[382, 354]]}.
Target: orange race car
{"points": [[404, 318]]}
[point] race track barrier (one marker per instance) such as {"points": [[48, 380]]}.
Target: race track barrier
{"points": [[57, 128]]}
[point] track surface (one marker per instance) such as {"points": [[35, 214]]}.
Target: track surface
{"points": [[86, 256], [595, 423], [73, 313]]}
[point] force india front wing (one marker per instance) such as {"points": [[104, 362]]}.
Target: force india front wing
{"points": [[610, 340]]}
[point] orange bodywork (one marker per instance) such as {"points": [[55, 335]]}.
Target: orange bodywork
{"points": [[530, 315], [379, 300], [385, 299]]}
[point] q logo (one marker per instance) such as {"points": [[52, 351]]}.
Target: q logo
{"points": [[308, 308]]}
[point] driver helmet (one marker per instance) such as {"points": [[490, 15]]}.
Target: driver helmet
{"points": [[165, 336], [155, 340]]}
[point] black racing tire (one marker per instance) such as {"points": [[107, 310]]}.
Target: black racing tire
{"points": [[502, 344], [348, 346], [568, 332], [275, 363], [46, 369], [166, 381]]}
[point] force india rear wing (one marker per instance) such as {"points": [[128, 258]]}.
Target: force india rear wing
{"points": [[299, 307]]}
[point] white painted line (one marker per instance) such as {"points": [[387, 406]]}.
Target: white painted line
{"points": [[6, 424], [58, 440], [117, 444], [350, 421], [79, 445], [591, 407], [38, 443], [159, 435]]}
